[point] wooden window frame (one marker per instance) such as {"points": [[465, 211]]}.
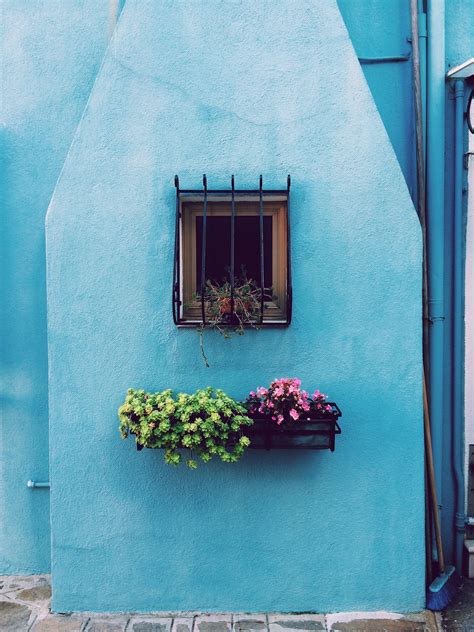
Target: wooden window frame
{"points": [[275, 311]]}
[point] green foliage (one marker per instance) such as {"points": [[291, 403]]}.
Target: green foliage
{"points": [[219, 313], [207, 422], [225, 316]]}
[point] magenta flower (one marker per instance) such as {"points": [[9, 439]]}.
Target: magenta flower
{"points": [[285, 401]]}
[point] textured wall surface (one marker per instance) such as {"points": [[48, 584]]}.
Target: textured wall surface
{"points": [[50, 55], [240, 88], [378, 30]]}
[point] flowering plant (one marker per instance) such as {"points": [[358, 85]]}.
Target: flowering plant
{"points": [[285, 400]]}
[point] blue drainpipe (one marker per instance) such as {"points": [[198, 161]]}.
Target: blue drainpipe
{"points": [[458, 331], [435, 224], [422, 43]]}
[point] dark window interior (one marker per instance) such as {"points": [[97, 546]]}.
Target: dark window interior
{"points": [[247, 251]]}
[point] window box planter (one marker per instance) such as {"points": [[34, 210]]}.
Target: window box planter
{"points": [[208, 423], [315, 432]]}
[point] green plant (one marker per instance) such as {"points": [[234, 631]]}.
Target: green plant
{"points": [[208, 422], [227, 313]]}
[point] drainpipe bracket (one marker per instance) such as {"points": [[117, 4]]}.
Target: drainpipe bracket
{"points": [[460, 521]]}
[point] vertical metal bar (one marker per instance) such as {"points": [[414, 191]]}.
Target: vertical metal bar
{"points": [[232, 249], [176, 262], [262, 253], [289, 287], [203, 251]]}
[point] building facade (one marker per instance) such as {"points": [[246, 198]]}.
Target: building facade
{"points": [[95, 130]]}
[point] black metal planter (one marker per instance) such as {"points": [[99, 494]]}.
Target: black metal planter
{"points": [[316, 432]]}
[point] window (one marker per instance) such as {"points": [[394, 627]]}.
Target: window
{"points": [[260, 244]]}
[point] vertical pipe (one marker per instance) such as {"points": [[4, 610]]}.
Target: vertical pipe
{"points": [[417, 89], [422, 45], [458, 435], [420, 97], [435, 142]]}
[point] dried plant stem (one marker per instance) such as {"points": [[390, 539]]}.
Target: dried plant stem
{"points": [[201, 346]]}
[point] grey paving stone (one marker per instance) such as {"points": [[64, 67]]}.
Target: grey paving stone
{"points": [[382, 625], [14, 617], [37, 593], [279, 623], [213, 623], [182, 624], [59, 623], [112, 624], [149, 624], [249, 622]]}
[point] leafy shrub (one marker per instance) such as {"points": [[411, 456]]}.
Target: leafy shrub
{"points": [[208, 422]]}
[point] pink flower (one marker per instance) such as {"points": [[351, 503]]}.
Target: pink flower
{"points": [[305, 406], [280, 419], [261, 392], [294, 414], [252, 393], [270, 404], [328, 407]]}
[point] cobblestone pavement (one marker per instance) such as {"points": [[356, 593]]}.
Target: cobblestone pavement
{"points": [[24, 607]]}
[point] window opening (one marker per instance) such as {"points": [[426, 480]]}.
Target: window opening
{"points": [[229, 237]]}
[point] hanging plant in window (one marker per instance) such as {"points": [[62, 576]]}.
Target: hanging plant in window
{"points": [[230, 310], [232, 259]]}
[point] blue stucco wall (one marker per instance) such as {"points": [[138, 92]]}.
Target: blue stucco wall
{"points": [[382, 29], [242, 88], [50, 55]]}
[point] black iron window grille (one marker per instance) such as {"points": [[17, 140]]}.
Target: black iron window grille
{"points": [[228, 236]]}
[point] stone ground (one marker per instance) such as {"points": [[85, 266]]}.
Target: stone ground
{"points": [[459, 617], [24, 607]]}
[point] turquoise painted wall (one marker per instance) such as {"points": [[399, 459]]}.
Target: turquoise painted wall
{"points": [[50, 55], [238, 88], [381, 28]]}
